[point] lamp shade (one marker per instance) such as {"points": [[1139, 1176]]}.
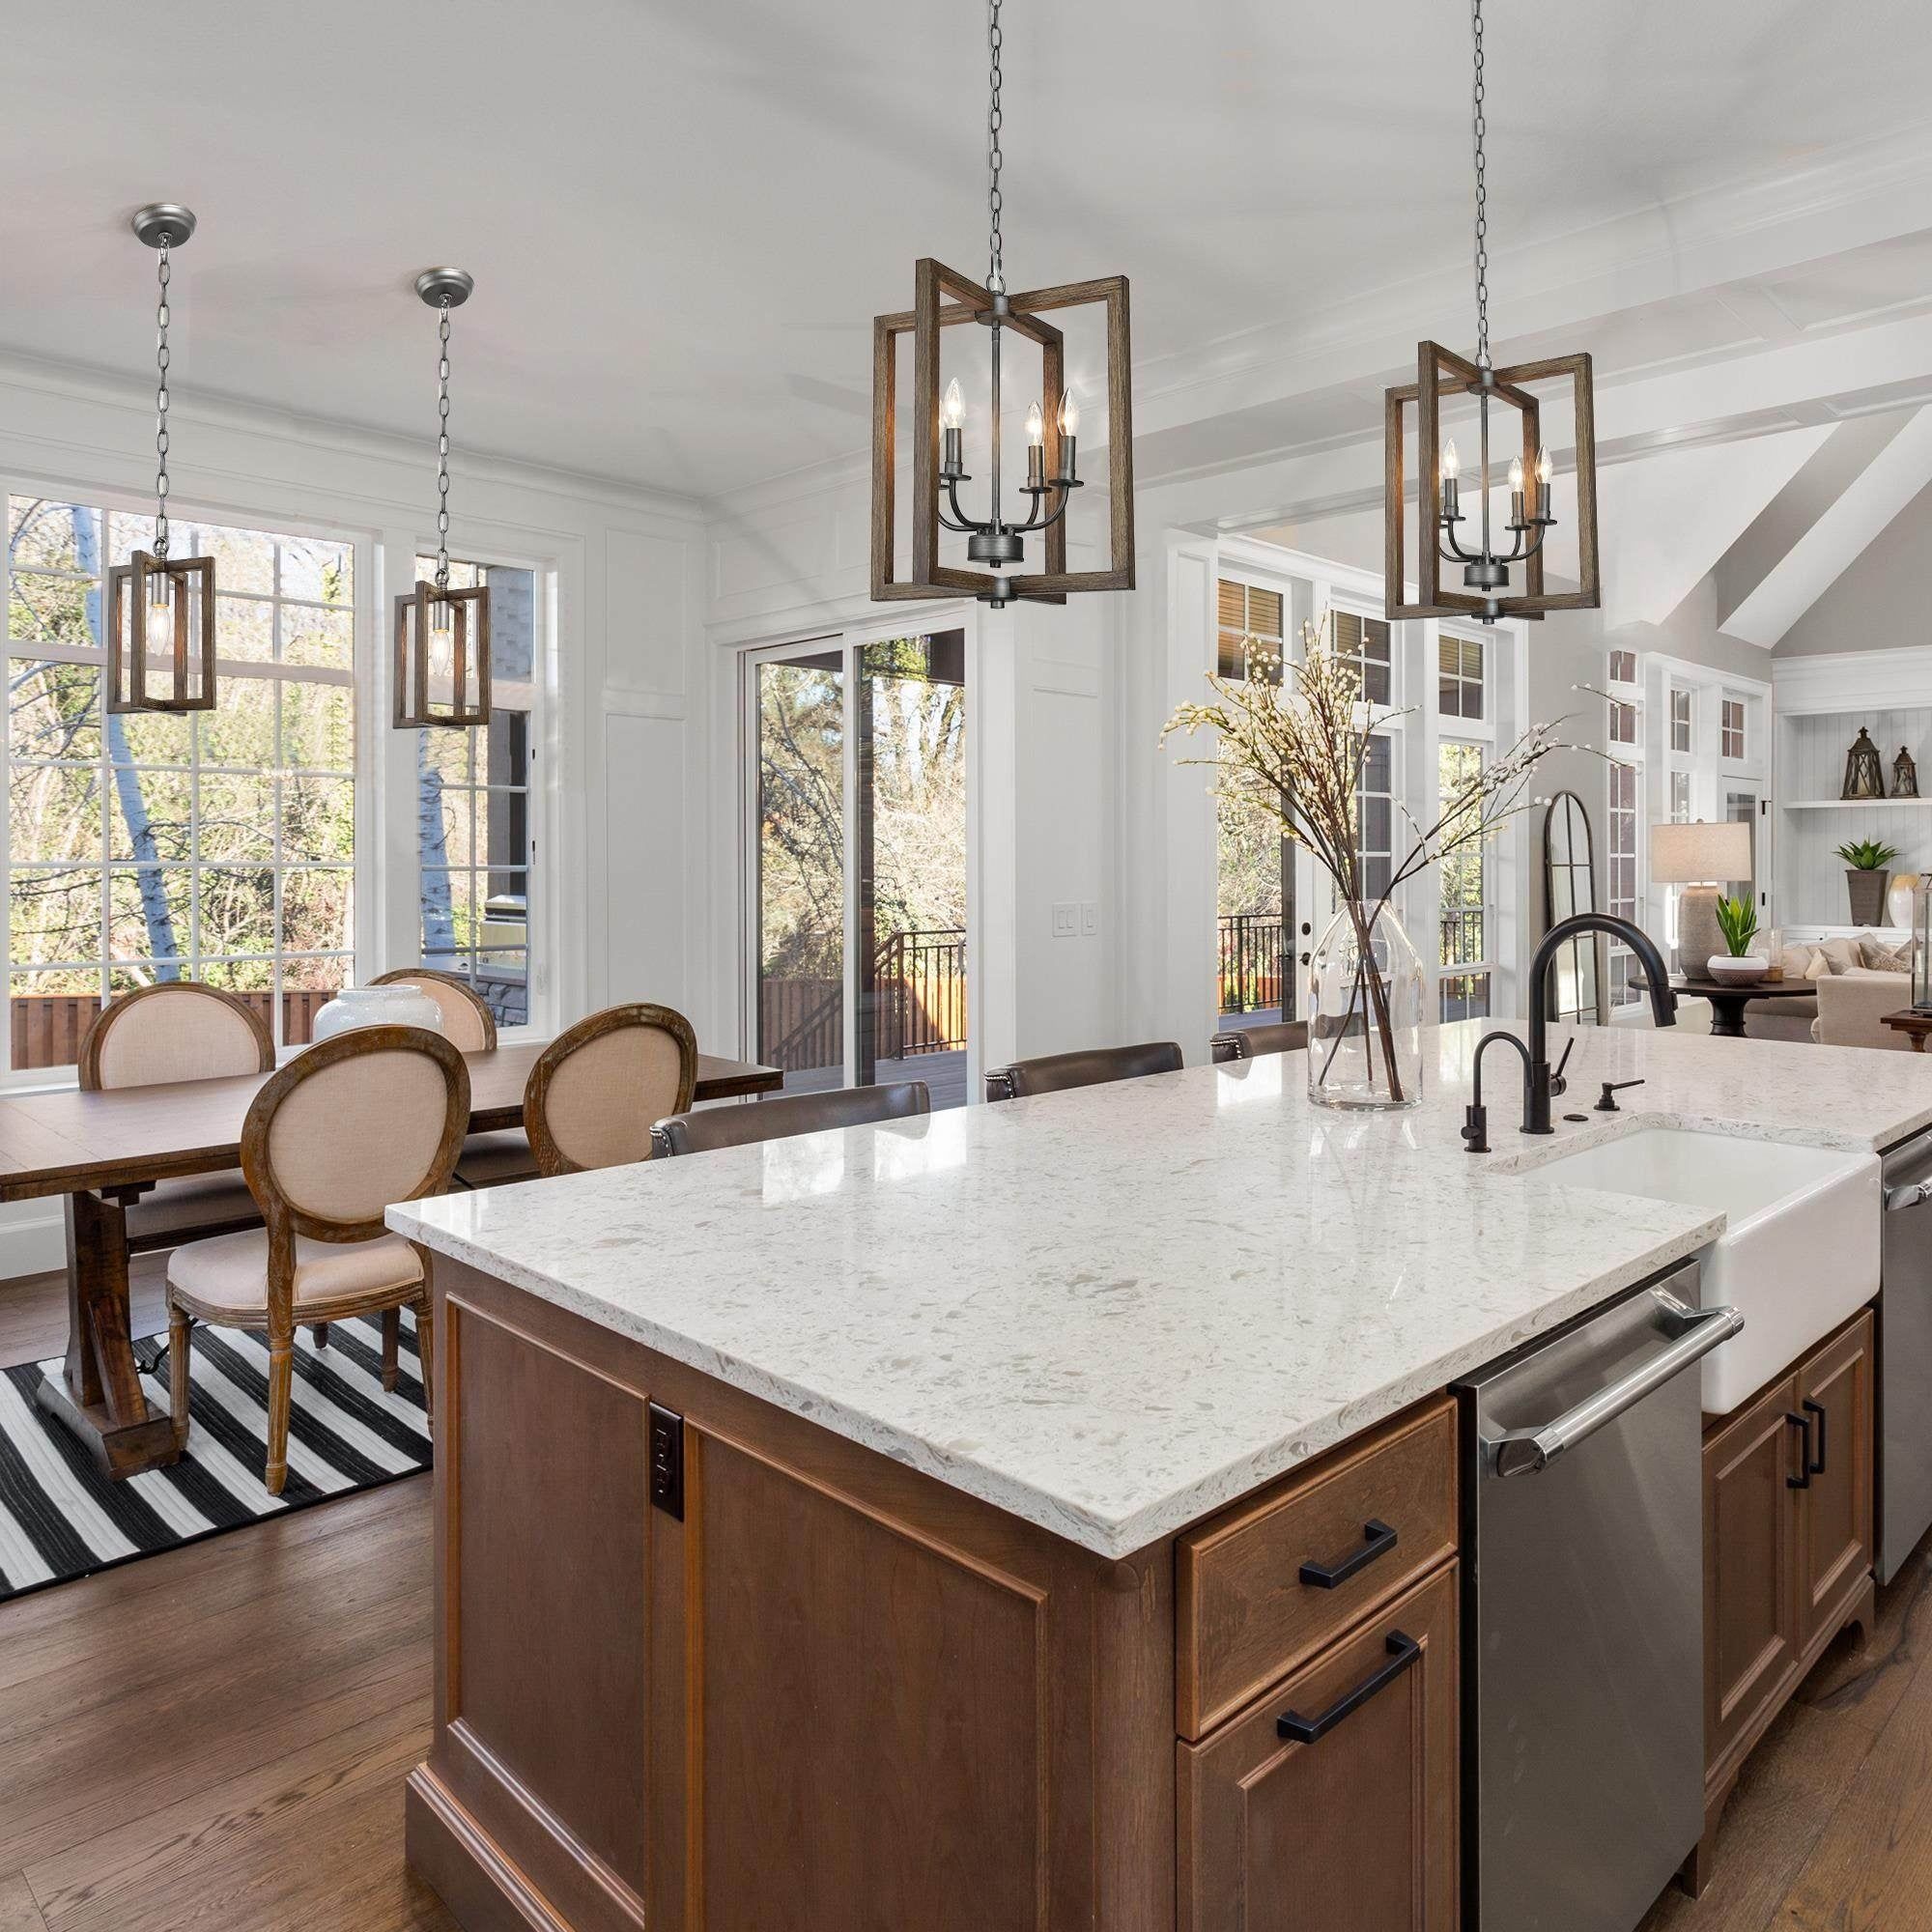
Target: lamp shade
{"points": [[1700, 854]]}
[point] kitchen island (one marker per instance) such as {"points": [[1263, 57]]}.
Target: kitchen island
{"points": [[887, 1528]]}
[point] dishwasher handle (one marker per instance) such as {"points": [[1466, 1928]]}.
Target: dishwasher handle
{"points": [[1522, 1452], [1907, 1196]]}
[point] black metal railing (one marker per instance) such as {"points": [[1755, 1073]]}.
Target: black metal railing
{"points": [[1250, 969], [1464, 929], [921, 982]]}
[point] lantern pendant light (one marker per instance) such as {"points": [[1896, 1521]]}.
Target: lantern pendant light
{"points": [[996, 541], [1507, 401], [160, 609], [443, 635]]}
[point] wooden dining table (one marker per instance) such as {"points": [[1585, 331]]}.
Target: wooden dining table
{"points": [[103, 1150]]}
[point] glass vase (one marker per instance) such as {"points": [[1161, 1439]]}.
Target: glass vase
{"points": [[1367, 1000]]}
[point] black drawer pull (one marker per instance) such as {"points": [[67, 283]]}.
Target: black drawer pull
{"points": [[1382, 1539], [1802, 1479], [1816, 1411], [1403, 1652]]}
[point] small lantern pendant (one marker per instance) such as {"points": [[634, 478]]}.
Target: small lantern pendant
{"points": [[1864, 769], [160, 609], [442, 669]]}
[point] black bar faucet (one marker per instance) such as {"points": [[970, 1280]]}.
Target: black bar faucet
{"points": [[1538, 1082]]}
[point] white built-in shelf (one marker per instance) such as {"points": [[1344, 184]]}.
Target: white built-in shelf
{"points": [[1850, 803]]}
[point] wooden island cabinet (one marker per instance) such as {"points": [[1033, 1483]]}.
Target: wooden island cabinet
{"points": [[705, 1664]]}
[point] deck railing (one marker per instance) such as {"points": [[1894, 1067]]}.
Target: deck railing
{"points": [[920, 980], [1250, 971]]}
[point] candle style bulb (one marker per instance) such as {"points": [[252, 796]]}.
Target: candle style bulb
{"points": [[1545, 467], [1515, 473], [1069, 415], [1451, 465], [1035, 424], [953, 411]]}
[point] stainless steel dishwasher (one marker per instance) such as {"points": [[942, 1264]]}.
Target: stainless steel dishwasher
{"points": [[1584, 1614], [1905, 1355]]}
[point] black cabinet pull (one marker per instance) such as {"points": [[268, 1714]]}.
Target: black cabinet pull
{"points": [[1381, 1539], [1816, 1411], [1802, 1479], [1403, 1652]]}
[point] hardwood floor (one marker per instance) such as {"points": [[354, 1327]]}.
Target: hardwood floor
{"points": [[218, 1737]]}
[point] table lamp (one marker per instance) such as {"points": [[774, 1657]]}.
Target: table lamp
{"points": [[1701, 858]]}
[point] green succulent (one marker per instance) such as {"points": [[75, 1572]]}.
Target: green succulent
{"points": [[1737, 919], [1868, 855]]}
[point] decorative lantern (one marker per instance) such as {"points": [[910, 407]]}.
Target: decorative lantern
{"points": [[160, 609], [1904, 775], [443, 636], [1511, 395], [996, 541], [1864, 769]]}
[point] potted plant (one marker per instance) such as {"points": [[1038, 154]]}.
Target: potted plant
{"points": [[1738, 965], [1294, 738], [1869, 861]]}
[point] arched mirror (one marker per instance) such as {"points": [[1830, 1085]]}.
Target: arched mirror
{"points": [[1569, 879]]}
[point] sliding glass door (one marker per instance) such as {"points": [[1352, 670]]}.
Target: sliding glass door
{"points": [[858, 791]]}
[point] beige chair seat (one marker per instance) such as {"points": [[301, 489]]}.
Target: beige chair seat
{"points": [[226, 1279], [488, 1161], [192, 1205]]}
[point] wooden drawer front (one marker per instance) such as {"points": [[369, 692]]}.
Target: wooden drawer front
{"points": [[1356, 1831], [1246, 1616]]}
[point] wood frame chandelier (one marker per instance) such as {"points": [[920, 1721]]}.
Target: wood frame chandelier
{"points": [[1441, 376], [942, 297], [441, 668], [160, 607]]}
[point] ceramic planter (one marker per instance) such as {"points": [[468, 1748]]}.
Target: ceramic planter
{"points": [[1867, 894]]}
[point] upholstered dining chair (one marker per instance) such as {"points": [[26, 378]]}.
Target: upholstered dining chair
{"points": [[350, 1125], [1090, 1067], [780, 1119], [502, 1154], [1251, 1043], [178, 1029], [598, 1086]]}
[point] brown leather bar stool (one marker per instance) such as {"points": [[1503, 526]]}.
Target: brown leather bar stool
{"points": [[1251, 1043], [778, 1120], [1090, 1067]]}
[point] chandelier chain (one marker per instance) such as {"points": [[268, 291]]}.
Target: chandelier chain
{"points": [[996, 267], [443, 449], [1481, 131], [164, 274]]}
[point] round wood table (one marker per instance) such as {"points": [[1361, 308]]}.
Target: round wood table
{"points": [[1913, 1025], [1728, 1003]]}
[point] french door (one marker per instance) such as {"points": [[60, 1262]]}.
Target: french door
{"points": [[856, 914]]}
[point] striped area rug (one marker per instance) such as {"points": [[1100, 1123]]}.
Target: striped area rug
{"points": [[60, 1519]]}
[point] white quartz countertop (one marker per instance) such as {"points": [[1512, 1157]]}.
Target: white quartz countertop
{"points": [[1112, 1310]]}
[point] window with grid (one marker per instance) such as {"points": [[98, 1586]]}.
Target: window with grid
{"points": [[1680, 721], [1375, 817], [1364, 642], [215, 845], [1623, 667], [1464, 955], [1246, 612], [1623, 878], [474, 846], [1459, 676], [1733, 725]]}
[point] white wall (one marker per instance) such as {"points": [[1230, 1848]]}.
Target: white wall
{"points": [[630, 739]]}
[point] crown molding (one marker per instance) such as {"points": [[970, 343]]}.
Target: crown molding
{"points": [[1899, 679]]}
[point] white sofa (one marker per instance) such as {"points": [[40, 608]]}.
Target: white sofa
{"points": [[1852, 1004]]}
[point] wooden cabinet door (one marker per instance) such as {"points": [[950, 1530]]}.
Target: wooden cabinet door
{"points": [[1750, 1598], [1834, 1508], [1356, 1831]]}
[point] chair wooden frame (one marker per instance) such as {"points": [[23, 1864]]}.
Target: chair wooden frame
{"points": [[551, 1158], [285, 1221], [403, 976], [117, 1009]]}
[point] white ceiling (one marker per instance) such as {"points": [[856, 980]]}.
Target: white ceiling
{"points": [[682, 213]]}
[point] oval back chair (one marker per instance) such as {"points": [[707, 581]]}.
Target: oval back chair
{"points": [[598, 1086], [348, 1127], [468, 1023], [178, 1029]]}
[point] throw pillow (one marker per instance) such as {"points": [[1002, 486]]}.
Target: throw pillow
{"points": [[1883, 958], [1840, 954]]}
